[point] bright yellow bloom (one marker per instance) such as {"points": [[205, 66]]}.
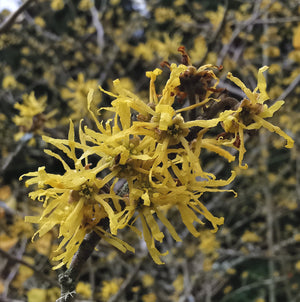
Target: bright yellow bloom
{"points": [[251, 114], [143, 160], [148, 161], [183, 194], [76, 201], [160, 121]]}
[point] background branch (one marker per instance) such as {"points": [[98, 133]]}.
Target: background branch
{"points": [[8, 23]]}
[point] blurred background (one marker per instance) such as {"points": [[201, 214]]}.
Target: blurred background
{"points": [[56, 50]]}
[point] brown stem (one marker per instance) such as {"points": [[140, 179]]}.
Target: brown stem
{"points": [[69, 278], [193, 112], [228, 103]]}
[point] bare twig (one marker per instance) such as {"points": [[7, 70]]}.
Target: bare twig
{"points": [[8, 23]]}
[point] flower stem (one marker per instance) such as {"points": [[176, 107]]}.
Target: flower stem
{"points": [[69, 278]]}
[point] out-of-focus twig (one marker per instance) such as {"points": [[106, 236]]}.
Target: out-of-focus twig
{"points": [[251, 286], [290, 88], [216, 33], [277, 20], [126, 283], [257, 13], [21, 144], [98, 26], [21, 261], [8, 23], [12, 267]]}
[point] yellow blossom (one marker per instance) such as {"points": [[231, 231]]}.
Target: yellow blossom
{"points": [[251, 114], [32, 117], [231, 271], [151, 297], [85, 5], [215, 17], [150, 158], [199, 49], [209, 244], [24, 272], [208, 264], [2, 287], [185, 21], [84, 289], [296, 37], [74, 201], [272, 51], [250, 237], [76, 93], [9, 82], [297, 265], [227, 289], [178, 283], [7, 242], [147, 280], [40, 21], [110, 288], [160, 129], [57, 4], [144, 52], [37, 294], [164, 14], [179, 2]]}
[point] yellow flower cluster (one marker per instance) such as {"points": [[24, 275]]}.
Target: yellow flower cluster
{"points": [[32, 116], [150, 157]]}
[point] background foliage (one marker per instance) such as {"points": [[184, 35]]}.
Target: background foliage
{"points": [[59, 49]]}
